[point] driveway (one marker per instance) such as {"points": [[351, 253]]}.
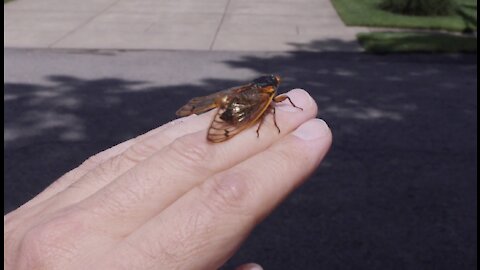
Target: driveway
{"points": [[207, 25]]}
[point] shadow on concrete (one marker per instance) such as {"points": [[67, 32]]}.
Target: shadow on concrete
{"points": [[397, 190], [327, 45]]}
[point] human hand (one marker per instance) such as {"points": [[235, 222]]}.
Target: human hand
{"points": [[167, 199]]}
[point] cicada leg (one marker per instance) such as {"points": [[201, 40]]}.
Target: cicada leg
{"points": [[275, 118], [282, 98], [271, 109], [259, 125]]}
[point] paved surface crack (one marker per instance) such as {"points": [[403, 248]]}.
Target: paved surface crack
{"points": [[220, 25], [83, 24]]}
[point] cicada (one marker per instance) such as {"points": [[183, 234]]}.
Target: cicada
{"points": [[238, 108]]}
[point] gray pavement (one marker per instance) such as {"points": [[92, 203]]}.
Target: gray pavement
{"points": [[207, 25], [396, 191]]}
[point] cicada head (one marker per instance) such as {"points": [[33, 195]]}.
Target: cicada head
{"points": [[267, 80]]}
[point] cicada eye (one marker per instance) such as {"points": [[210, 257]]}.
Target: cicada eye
{"points": [[268, 80]]}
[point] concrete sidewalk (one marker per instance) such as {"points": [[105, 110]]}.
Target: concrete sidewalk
{"points": [[215, 25]]}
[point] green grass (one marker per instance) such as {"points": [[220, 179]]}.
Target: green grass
{"points": [[368, 13], [401, 42]]}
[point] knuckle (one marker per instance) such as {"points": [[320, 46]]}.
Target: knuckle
{"points": [[51, 242], [191, 152], [144, 250], [14, 224], [9, 218], [109, 168], [11, 237], [101, 175], [291, 157], [139, 151], [285, 156], [91, 162], [117, 201], [143, 254], [284, 159], [227, 192], [126, 194]]}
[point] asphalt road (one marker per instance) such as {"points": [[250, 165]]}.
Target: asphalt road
{"points": [[397, 190]]}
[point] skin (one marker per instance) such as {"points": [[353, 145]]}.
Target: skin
{"points": [[168, 199]]}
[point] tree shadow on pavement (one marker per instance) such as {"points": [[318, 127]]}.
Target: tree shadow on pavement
{"points": [[398, 188], [396, 191]]}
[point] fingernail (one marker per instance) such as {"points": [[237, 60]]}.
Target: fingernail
{"points": [[256, 267], [251, 266], [312, 130], [299, 97]]}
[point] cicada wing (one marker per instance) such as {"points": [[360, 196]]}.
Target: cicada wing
{"points": [[221, 130], [203, 104], [200, 105]]}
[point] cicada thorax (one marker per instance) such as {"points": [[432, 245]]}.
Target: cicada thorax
{"points": [[242, 107], [235, 112]]}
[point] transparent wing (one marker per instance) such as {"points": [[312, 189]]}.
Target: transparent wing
{"points": [[221, 130], [200, 105], [203, 104]]}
